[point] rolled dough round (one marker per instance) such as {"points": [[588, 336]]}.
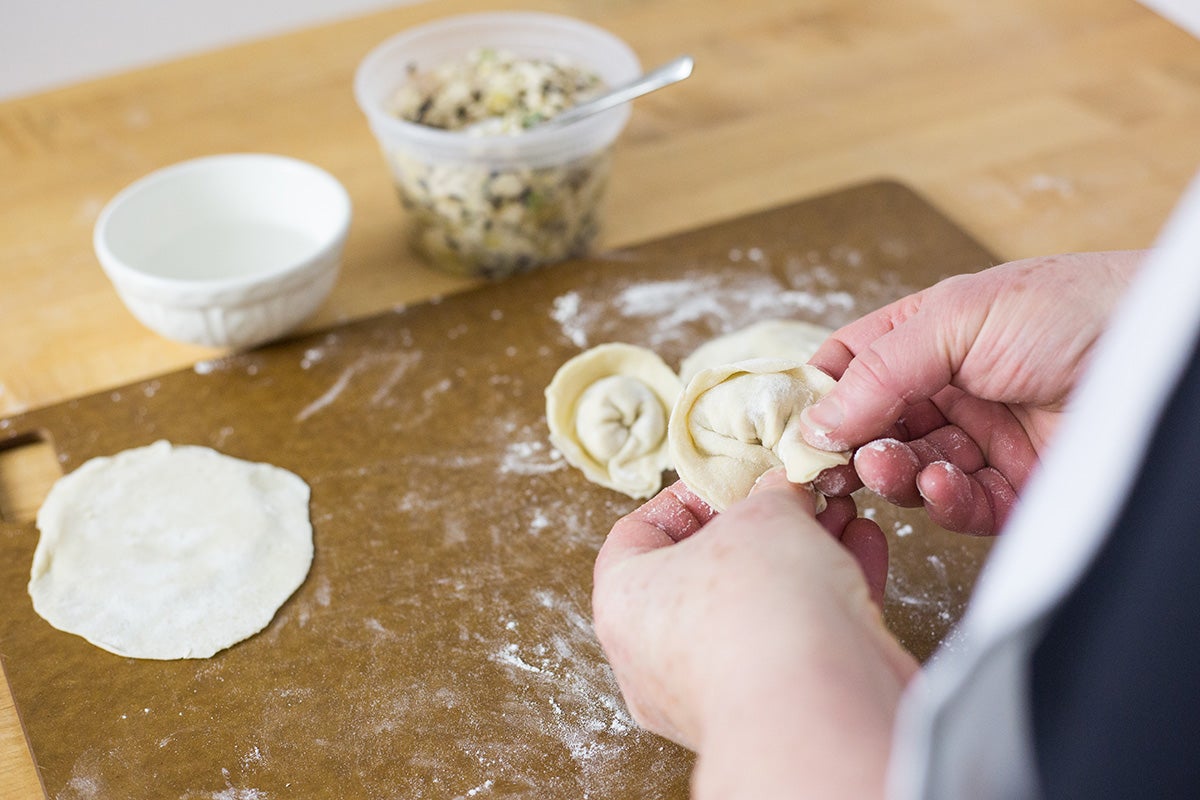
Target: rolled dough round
{"points": [[791, 339], [607, 411], [736, 421], [167, 552]]}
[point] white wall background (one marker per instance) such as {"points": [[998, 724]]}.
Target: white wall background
{"points": [[1184, 13], [48, 43]]}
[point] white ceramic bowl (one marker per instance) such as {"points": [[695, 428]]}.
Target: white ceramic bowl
{"points": [[227, 250], [445, 177]]}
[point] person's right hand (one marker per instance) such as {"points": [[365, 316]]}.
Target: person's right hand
{"points": [[951, 394]]}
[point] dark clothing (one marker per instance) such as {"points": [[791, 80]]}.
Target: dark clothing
{"points": [[1116, 676]]}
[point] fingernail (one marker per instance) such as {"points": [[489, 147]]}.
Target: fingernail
{"points": [[771, 478], [776, 479], [823, 416], [817, 421]]}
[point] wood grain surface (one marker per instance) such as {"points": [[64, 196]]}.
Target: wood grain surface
{"points": [[1039, 127]]}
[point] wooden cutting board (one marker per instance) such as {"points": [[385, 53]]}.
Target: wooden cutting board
{"points": [[441, 647]]}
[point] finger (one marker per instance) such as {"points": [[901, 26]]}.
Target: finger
{"points": [[833, 356], [920, 419], [903, 367], [678, 513], [774, 483], [951, 443], [672, 515], [976, 503], [866, 542], [889, 468], [951, 500], [840, 481], [838, 513], [1001, 494], [838, 350], [1003, 440]]}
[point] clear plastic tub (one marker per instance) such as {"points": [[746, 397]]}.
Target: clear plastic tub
{"points": [[493, 205]]}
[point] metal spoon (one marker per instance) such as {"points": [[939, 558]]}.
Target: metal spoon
{"points": [[673, 71]]}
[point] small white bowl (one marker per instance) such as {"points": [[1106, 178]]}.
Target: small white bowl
{"points": [[227, 250]]}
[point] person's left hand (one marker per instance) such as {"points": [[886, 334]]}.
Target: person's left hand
{"points": [[756, 633]]}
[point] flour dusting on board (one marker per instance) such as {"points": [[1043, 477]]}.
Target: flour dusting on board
{"points": [[587, 712], [86, 781], [566, 313], [805, 286], [396, 364], [531, 457]]}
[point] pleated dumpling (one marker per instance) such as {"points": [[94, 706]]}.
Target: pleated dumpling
{"points": [[607, 410], [736, 421]]}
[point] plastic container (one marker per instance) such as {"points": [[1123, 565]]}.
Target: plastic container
{"points": [[226, 251], [459, 187]]}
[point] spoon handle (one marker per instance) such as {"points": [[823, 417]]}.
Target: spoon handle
{"points": [[673, 71]]}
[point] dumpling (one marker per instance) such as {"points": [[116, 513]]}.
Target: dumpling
{"points": [[792, 339], [607, 409], [734, 422]]}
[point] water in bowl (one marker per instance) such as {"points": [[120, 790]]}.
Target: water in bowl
{"points": [[225, 250]]}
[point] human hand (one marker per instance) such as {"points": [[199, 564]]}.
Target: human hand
{"points": [[955, 390], [755, 637]]}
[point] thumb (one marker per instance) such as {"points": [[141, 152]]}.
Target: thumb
{"points": [[774, 482], [904, 366]]}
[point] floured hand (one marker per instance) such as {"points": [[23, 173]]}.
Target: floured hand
{"points": [[755, 637], [952, 394]]}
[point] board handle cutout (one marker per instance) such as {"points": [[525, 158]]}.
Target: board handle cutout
{"points": [[28, 468]]}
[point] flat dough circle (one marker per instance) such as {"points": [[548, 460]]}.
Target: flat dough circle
{"points": [[168, 552], [607, 410], [736, 421], [791, 339]]}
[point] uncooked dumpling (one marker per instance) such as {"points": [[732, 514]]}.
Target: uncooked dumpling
{"points": [[170, 552], [790, 339], [607, 410], [734, 422]]}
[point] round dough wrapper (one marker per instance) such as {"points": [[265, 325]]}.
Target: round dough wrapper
{"points": [[791, 339], [167, 552], [736, 421], [607, 409]]}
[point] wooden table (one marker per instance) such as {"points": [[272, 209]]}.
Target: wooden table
{"points": [[1039, 128]]}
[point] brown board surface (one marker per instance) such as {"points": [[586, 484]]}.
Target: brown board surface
{"points": [[441, 646]]}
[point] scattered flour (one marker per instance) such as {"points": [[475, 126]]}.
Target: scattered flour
{"points": [[252, 756], [566, 313], [328, 397], [586, 710], [531, 457], [483, 787], [394, 365], [720, 302]]}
